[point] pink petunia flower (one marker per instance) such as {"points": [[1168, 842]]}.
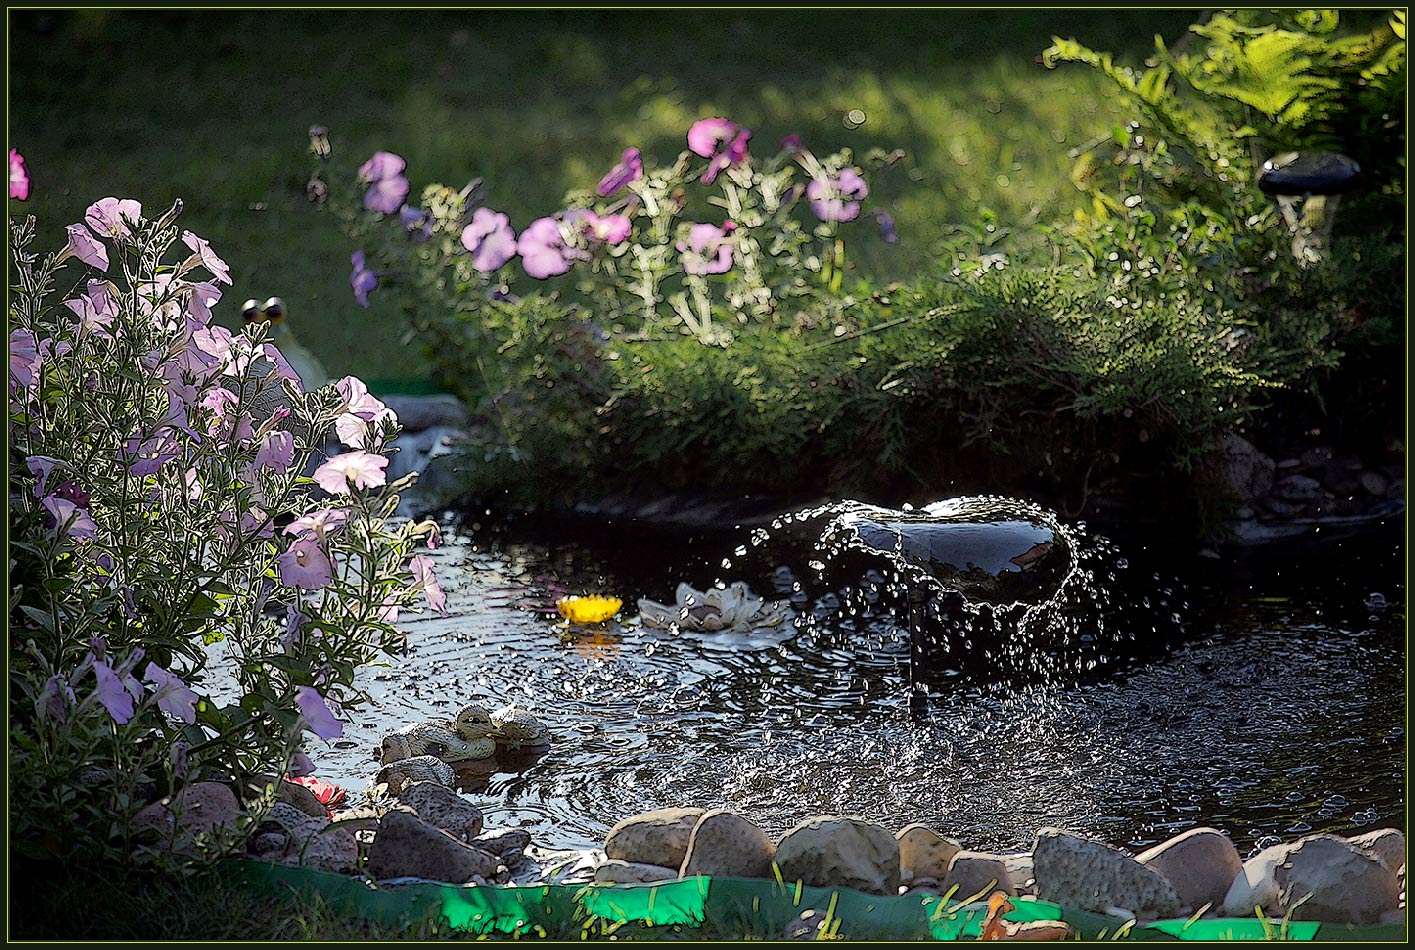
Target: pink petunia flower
{"points": [[425, 579], [304, 564], [708, 249], [19, 176], [356, 469], [86, 247], [363, 280], [69, 515], [113, 217], [117, 692], [172, 695], [629, 169], [24, 357], [610, 229], [201, 249], [722, 142], [276, 451], [318, 718], [490, 239], [55, 700], [837, 199], [387, 187], [357, 399], [544, 250], [41, 466], [95, 309], [317, 524]]}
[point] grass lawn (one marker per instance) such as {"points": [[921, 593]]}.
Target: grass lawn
{"points": [[214, 107]]}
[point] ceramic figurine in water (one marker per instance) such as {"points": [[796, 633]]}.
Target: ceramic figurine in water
{"points": [[733, 608], [421, 768], [467, 738], [517, 728]]}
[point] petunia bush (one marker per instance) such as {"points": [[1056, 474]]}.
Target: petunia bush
{"points": [[202, 553], [717, 239]]}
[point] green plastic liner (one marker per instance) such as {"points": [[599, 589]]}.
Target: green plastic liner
{"points": [[733, 906]]}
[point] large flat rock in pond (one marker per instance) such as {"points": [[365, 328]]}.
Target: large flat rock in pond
{"points": [[407, 846], [1327, 878]]}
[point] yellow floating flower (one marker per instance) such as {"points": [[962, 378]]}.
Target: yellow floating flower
{"points": [[594, 608]]}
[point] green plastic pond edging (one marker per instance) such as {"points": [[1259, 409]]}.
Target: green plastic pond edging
{"points": [[732, 905]]}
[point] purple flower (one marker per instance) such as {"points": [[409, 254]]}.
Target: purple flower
{"points": [[116, 693], [417, 222], [304, 564], [172, 695], [886, 227], [86, 247], [358, 433], [387, 188], [357, 400], [24, 357], [110, 217], [382, 165], [722, 142], [544, 252], [490, 239], [364, 281], [300, 765], [40, 466], [94, 309], [388, 613], [316, 714], [792, 143], [276, 451], [317, 524], [203, 296], [707, 134], [425, 580], [708, 249], [610, 229], [629, 169], [359, 469], [202, 249], [67, 514], [19, 176], [54, 700], [151, 454], [837, 199]]}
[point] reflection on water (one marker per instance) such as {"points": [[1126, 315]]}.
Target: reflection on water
{"points": [[1283, 713]]}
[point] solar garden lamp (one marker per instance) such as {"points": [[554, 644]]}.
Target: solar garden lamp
{"points": [[1308, 187]]}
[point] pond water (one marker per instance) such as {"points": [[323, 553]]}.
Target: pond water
{"points": [[1281, 710]]}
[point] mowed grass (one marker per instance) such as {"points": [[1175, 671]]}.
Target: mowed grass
{"points": [[214, 107]]}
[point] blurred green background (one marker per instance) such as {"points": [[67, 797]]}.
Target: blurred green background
{"points": [[215, 107]]}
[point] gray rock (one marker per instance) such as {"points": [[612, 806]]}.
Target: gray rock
{"points": [[828, 851], [1247, 471], [1316, 457], [1396, 491], [311, 842], [1339, 481], [978, 873], [444, 809], [629, 872], [655, 837], [1287, 465], [416, 413], [1088, 875], [199, 808], [1280, 508], [726, 845], [1255, 886], [1202, 864], [1022, 872], [924, 852], [508, 844], [407, 846], [269, 845], [1346, 884], [1387, 844], [1298, 489], [290, 793], [1375, 483]]}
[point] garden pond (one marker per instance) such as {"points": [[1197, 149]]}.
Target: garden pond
{"points": [[1278, 712]]}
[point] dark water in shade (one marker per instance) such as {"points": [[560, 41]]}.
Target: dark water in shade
{"points": [[1281, 712]]}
